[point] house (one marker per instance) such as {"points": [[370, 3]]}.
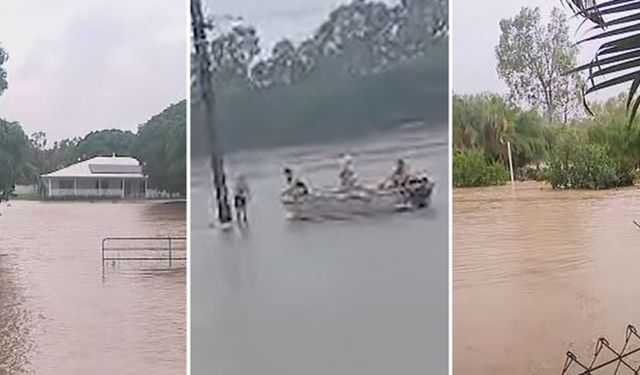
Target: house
{"points": [[114, 177]]}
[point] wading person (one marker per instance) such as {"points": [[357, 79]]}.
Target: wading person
{"points": [[241, 196]]}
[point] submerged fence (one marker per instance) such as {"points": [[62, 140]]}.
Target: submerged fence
{"points": [[144, 249], [607, 360]]}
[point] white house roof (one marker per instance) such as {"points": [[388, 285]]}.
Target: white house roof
{"points": [[103, 167]]}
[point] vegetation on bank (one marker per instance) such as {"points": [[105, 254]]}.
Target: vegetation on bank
{"points": [[551, 137], [471, 167], [369, 66], [587, 153]]}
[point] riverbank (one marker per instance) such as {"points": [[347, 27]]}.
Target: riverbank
{"points": [[537, 272]]}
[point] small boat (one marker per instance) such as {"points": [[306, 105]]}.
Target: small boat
{"points": [[335, 203]]}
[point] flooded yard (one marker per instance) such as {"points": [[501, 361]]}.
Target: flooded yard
{"points": [[537, 272], [362, 296], [62, 313]]}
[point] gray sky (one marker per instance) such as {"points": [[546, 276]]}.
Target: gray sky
{"points": [[276, 19], [80, 65], [476, 32]]}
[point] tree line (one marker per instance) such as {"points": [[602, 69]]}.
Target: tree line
{"points": [[368, 66], [553, 137], [160, 144], [594, 152]]}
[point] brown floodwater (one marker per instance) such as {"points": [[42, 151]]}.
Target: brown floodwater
{"points": [[537, 272], [61, 312]]}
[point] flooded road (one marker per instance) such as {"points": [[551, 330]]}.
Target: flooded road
{"points": [[366, 296], [539, 272], [60, 314]]}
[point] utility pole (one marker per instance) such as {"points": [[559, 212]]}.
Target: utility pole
{"points": [[208, 101]]}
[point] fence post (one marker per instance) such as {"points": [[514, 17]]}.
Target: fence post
{"points": [[170, 252]]}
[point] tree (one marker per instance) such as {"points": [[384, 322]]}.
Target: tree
{"points": [[284, 67], [533, 59], [161, 145], [362, 70], [13, 152], [3, 73], [482, 121], [422, 22], [617, 60], [488, 121], [105, 142], [233, 54]]}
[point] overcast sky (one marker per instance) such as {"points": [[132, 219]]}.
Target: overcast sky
{"points": [[476, 32], [80, 65]]}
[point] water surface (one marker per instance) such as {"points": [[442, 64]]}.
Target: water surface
{"points": [[538, 272], [60, 313], [365, 296]]}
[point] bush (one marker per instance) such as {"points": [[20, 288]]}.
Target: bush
{"points": [[582, 166], [471, 168]]}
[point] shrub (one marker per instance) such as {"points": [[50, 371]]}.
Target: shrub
{"points": [[470, 168], [581, 166]]}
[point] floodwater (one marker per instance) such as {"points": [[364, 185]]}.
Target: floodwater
{"points": [[61, 314], [365, 296], [539, 272]]}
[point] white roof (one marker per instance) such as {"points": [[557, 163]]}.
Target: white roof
{"points": [[92, 168]]}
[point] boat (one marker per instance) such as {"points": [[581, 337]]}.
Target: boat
{"points": [[338, 203]]}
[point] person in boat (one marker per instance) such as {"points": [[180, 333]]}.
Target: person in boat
{"points": [[347, 174], [295, 186], [241, 195], [399, 176]]}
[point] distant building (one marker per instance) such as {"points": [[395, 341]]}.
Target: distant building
{"points": [[114, 177]]}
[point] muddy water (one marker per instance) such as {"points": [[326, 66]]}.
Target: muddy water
{"points": [[61, 314], [365, 296], [539, 272]]}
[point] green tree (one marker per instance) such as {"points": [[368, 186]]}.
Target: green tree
{"points": [[161, 146], [483, 121], [533, 58], [471, 167], [13, 152], [487, 122], [104, 143]]}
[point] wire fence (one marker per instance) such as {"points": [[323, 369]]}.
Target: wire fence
{"points": [[606, 359]]}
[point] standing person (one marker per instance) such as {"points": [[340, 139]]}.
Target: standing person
{"points": [[241, 195]]}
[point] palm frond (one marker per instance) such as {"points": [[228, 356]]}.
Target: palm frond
{"points": [[616, 23]]}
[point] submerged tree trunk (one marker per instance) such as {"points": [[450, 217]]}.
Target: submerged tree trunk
{"points": [[208, 102]]}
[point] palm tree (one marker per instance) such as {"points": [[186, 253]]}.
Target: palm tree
{"points": [[616, 25]]}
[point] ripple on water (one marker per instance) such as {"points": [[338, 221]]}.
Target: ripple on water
{"points": [[538, 272]]}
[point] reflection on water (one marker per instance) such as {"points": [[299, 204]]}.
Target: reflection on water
{"points": [[59, 314], [15, 343], [539, 272], [367, 296]]}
